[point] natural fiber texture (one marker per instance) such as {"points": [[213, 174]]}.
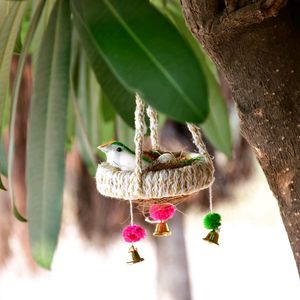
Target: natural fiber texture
{"points": [[138, 139], [197, 139], [152, 114], [113, 182], [155, 186]]}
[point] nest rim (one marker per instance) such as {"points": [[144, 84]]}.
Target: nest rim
{"points": [[109, 179]]}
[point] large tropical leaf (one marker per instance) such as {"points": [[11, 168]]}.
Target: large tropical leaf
{"points": [[15, 94], [135, 48], [46, 139], [216, 127], [11, 14], [121, 98], [125, 134]]}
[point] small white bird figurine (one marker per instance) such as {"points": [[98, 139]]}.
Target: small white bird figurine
{"points": [[120, 156]]}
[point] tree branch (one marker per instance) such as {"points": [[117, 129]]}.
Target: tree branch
{"points": [[272, 7], [206, 11], [250, 14], [205, 17], [231, 5], [242, 17]]}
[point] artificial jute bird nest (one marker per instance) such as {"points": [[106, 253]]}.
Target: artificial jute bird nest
{"points": [[167, 182]]}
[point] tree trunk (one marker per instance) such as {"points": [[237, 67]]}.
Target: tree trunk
{"points": [[257, 46], [173, 280]]}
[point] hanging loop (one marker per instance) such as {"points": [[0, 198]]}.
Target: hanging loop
{"points": [[197, 139], [138, 139], [152, 114], [140, 127]]}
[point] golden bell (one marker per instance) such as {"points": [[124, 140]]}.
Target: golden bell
{"points": [[162, 229], [212, 237], [134, 256]]}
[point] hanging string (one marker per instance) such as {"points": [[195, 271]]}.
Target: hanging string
{"points": [[210, 198], [152, 114], [131, 212]]}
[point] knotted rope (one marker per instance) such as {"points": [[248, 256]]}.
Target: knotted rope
{"points": [[197, 138], [138, 139], [152, 114], [148, 186]]}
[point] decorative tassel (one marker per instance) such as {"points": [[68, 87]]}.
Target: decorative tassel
{"points": [[212, 221], [131, 234], [162, 213]]}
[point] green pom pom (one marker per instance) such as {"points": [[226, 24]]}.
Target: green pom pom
{"points": [[212, 221]]}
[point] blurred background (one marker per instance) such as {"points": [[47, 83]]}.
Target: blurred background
{"points": [[254, 259]]}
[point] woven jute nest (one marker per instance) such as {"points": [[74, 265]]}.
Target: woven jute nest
{"points": [[167, 184]]}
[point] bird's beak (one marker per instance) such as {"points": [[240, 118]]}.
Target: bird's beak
{"points": [[101, 148], [104, 147]]}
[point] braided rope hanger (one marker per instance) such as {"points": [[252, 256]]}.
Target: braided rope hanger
{"points": [[140, 127], [146, 186]]}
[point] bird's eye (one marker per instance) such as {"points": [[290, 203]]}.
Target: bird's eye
{"points": [[119, 149]]}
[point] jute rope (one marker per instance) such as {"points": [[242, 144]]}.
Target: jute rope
{"points": [[197, 139], [152, 114], [163, 185], [138, 139]]}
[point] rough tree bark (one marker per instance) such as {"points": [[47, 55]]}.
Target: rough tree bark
{"points": [[257, 46]]}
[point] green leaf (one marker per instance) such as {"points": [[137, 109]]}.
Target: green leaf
{"points": [[42, 26], [107, 109], [216, 127], [143, 52], [11, 14], [23, 29], [18, 46], [85, 148], [18, 215], [15, 94], [107, 120], [121, 99], [1, 185], [3, 160], [46, 136], [107, 123], [125, 134]]}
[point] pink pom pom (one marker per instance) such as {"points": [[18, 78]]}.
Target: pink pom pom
{"points": [[133, 233], [162, 212]]}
